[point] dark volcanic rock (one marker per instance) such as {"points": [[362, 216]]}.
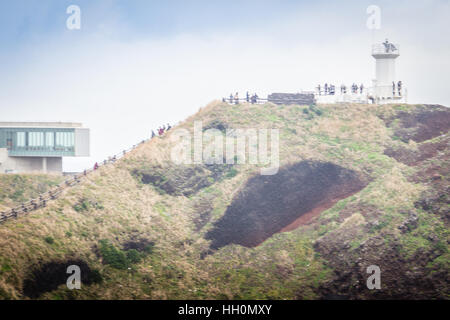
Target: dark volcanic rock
{"points": [[182, 179], [420, 124], [267, 204], [51, 275], [425, 151]]}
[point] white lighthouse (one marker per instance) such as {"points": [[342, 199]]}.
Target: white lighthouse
{"points": [[386, 87]]}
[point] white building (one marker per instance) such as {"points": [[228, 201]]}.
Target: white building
{"points": [[27, 147], [386, 88]]}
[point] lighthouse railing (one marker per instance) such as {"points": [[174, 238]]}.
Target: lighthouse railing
{"points": [[383, 48]]}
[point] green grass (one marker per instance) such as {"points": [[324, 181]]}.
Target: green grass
{"points": [[49, 240], [285, 266], [113, 256]]}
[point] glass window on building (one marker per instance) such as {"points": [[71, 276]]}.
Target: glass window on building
{"points": [[35, 139], [65, 139], [49, 139], [21, 139]]}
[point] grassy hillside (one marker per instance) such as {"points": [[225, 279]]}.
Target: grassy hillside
{"points": [[358, 185], [16, 189]]}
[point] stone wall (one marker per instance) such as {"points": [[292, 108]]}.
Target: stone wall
{"points": [[292, 98]]}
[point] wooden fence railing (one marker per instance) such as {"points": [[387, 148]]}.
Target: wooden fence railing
{"points": [[53, 194]]}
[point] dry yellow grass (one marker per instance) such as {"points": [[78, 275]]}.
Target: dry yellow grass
{"points": [[349, 135]]}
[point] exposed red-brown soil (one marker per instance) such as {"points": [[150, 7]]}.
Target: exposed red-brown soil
{"points": [[435, 172], [310, 216], [425, 151], [421, 124], [268, 204], [307, 217], [402, 277]]}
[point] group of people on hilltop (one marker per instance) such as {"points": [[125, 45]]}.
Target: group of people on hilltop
{"points": [[330, 89], [355, 88], [161, 130], [399, 88], [235, 98]]}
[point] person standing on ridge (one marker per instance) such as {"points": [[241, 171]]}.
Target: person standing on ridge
{"points": [[332, 89], [386, 45], [236, 98]]}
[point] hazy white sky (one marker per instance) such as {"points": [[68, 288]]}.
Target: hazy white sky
{"points": [[135, 65]]}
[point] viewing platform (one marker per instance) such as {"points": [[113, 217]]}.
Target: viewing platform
{"points": [[385, 50]]}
